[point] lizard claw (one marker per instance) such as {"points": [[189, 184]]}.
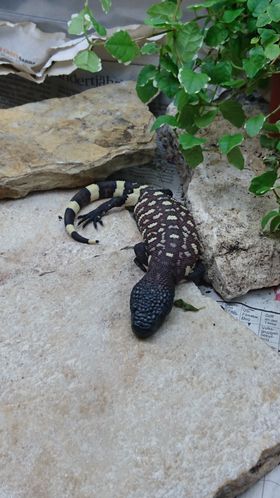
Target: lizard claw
{"points": [[85, 219]]}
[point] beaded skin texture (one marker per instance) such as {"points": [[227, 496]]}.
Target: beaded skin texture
{"points": [[169, 251]]}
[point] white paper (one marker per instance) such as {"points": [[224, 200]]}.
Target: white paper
{"points": [[27, 51]]}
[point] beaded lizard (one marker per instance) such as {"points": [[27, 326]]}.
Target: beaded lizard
{"points": [[168, 254]]}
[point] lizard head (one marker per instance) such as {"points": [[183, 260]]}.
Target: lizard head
{"points": [[150, 303]]}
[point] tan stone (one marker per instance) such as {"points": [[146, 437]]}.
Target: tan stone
{"points": [[69, 142], [89, 411], [238, 255]]}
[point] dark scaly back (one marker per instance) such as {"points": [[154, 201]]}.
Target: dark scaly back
{"points": [[172, 244], [169, 233]]}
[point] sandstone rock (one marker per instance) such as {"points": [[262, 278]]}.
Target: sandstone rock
{"points": [[86, 409], [238, 256], [69, 142]]}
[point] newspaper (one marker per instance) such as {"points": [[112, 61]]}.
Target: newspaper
{"points": [[258, 310], [267, 487], [27, 51]]}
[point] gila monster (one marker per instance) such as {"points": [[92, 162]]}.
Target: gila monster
{"points": [[168, 254]]}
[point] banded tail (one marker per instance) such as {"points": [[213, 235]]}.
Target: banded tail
{"points": [[102, 190]]}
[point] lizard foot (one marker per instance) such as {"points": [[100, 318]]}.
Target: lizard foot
{"points": [[94, 216]]}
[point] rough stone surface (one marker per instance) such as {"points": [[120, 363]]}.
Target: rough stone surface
{"points": [[61, 143], [239, 257], [86, 409], [237, 254]]}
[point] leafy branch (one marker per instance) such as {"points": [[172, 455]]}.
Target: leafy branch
{"points": [[229, 47]]}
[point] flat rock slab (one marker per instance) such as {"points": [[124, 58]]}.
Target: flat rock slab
{"points": [[68, 142], [238, 256], [86, 409]]}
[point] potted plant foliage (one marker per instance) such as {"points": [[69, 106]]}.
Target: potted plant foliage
{"points": [[227, 48]]}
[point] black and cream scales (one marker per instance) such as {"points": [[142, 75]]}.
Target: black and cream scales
{"points": [[168, 254]]}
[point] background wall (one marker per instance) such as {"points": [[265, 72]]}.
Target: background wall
{"points": [[51, 15]]}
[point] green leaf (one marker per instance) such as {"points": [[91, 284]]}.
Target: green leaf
{"points": [[275, 224], [150, 48], [191, 81], [253, 65], [268, 142], [121, 46], [218, 72], [165, 10], [263, 20], [163, 120], [228, 142], [257, 6], [186, 117], [251, 24], [268, 36], [146, 74], [188, 39], [206, 119], [167, 63], [272, 127], [236, 158], [231, 15], [232, 111], [99, 28], [254, 40], [193, 156], [257, 50], [206, 4], [272, 51], [188, 141], [268, 217], [254, 125], [216, 35], [167, 83], [273, 11], [147, 92], [180, 303], [233, 83], [78, 24], [158, 22], [181, 99], [88, 60], [106, 5], [263, 183]]}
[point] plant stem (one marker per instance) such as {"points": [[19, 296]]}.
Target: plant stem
{"points": [[179, 2], [272, 112]]}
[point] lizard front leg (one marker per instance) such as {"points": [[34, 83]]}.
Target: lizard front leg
{"points": [[197, 274], [141, 254]]}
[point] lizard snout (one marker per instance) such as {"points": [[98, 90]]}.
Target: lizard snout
{"points": [[150, 303]]}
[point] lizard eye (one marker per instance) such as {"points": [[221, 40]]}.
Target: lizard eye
{"points": [[168, 192]]}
